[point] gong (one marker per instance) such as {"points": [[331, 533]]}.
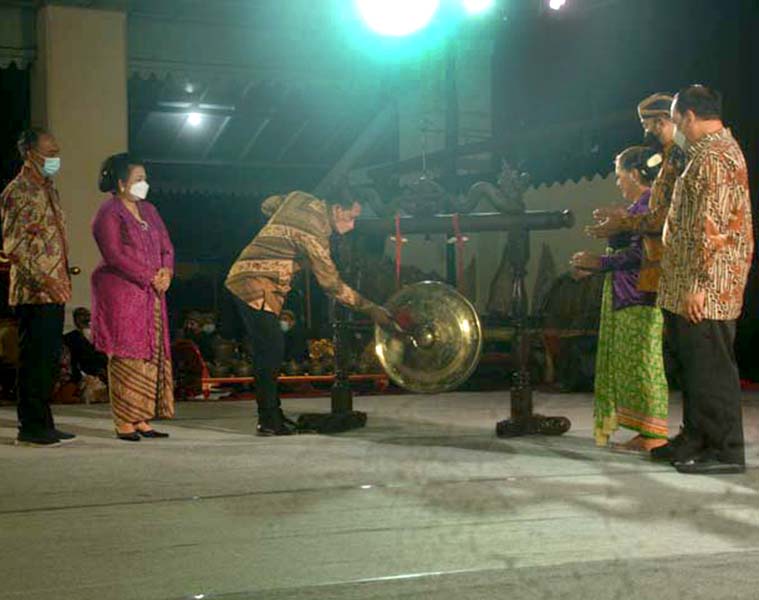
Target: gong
{"points": [[437, 342]]}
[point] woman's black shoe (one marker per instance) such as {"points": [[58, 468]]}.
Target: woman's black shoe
{"points": [[128, 437], [152, 433]]}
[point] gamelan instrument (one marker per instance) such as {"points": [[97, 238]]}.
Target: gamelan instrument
{"points": [[437, 341]]}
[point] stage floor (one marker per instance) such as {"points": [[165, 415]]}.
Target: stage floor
{"points": [[423, 503]]}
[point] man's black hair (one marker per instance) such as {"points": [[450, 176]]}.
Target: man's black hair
{"points": [[705, 102]]}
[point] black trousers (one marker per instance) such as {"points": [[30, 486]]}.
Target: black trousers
{"points": [[268, 344], [40, 342], [705, 357]]}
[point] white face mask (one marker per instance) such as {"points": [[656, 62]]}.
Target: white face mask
{"points": [[51, 166], [209, 328], [680, 139], [139, 190], [285, 326]]}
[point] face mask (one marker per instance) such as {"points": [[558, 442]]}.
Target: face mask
{"points": [[209, 328], [285, 326], [650, 140], [680, 139], [51, 166], [139, 190]]}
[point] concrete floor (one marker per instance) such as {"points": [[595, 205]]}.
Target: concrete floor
{"points": [[423, 503]]}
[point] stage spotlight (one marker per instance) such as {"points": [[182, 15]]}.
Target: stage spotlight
{"points": [[556, 4], [397, 17], [195, 119], [478, 6]]}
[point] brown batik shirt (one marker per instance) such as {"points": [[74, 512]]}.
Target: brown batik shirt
{"points": [[708, 236], [34, 239], [651, 223], [298, 233]]}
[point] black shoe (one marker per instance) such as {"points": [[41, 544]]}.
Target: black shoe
{"points": [[266, 430], [666, 452], [128, 437], [39, 440], [63, 435], [708, 466], [152, 433], [671, 451], [287, 420]]}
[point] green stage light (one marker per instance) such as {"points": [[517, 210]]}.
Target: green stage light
{"points": [[478, 6], [397, 18]]}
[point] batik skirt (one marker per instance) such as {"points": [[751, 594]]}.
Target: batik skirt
{"points": [[141, 390], [630, 387]]}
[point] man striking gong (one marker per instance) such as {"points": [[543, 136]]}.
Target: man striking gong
{"points": [[297, 233]]}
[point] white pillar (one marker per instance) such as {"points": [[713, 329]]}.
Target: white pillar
{"points": [[79, 93]]}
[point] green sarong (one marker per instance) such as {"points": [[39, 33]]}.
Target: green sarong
{"points": [[630, 388]]}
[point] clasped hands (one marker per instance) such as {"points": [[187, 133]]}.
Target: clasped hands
{"points": [[162, 280]]}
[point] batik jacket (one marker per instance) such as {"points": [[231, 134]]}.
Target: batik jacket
{"points": [[34, 240], [298, 233], [708, 235]]}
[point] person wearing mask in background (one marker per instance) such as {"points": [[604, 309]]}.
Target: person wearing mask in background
{"points": [[201, 334], [298, 232], [129, 287], [296, 348], [85, 358], [34, 241]]}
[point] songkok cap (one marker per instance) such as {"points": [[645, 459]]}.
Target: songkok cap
{"points": [[271, 205], [656, 105]]}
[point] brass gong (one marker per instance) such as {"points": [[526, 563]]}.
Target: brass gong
{"points": [[437, 342]]}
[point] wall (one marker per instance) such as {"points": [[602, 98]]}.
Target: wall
{"points": [[79, 93], [581, 198]]}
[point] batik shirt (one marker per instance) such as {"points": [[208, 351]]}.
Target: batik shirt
{"points": [[650, 224], [708, 236], [298, 233], [34, 239]]}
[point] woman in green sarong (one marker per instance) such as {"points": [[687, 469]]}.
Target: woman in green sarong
{"points": [[630, 386]]}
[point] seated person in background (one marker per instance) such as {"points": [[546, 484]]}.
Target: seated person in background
{"points": [[200, 331], [85, 358], [296, 348]]}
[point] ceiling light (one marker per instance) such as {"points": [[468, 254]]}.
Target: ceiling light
{"points": [[195, 119], [477, 6], [556, 4], [397, 17]]}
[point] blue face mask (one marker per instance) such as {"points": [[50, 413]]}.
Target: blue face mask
{"points": [[51, 166]]}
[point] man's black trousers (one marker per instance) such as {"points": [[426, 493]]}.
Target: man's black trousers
{"points": [[705, 357], [40, 328], [268, 343]]}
